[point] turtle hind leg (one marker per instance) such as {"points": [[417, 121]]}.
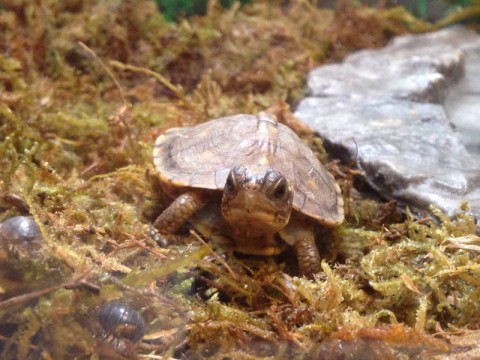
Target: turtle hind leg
{"points": [[175, 215]]}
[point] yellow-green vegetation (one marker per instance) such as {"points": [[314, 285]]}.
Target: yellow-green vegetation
{"points": [[85, 88]]}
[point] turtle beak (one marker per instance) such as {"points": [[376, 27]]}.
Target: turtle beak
{"points": [[248, 200]]}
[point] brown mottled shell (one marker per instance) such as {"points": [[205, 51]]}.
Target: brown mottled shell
{"points": [[202, 156]]}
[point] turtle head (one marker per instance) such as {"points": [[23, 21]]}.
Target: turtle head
{"points": [[257, 203]]}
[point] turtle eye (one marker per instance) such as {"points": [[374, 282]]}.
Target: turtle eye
{"points": [[230, 184], [281, 189]]}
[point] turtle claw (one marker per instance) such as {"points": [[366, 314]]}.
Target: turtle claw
{"points": [[160, 239], [163, 240]]}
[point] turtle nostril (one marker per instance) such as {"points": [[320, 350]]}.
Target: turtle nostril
{"points": [[252, 186]]}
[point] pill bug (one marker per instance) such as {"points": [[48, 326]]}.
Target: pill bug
{"points": [[20, 233], [121, 321]]}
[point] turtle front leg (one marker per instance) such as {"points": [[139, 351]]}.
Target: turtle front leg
{"points": [[307, 255], [175, 215], [300, 234]]}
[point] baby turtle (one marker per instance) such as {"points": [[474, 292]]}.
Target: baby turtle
{"points": [[268, 183]]}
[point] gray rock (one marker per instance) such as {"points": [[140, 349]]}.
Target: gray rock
{"points": [[412, 111], [463, 102]]}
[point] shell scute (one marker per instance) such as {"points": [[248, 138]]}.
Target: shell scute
{"points": [[202, 156]]}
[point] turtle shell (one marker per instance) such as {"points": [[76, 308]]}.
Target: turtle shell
{"points": [[202, 156]]}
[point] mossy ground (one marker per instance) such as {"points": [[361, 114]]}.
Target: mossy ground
{"points": [[75, 153]]}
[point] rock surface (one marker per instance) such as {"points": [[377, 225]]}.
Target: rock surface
{"points": [[464, 346], [412, 112]]}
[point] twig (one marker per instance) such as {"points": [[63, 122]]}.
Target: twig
{"points": [[124, 111], [175, 89], [35, 294], [107, 70], [136, 244], [215, 255]]}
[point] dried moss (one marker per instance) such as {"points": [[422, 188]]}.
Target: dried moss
{"points": [[75, 153]]}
